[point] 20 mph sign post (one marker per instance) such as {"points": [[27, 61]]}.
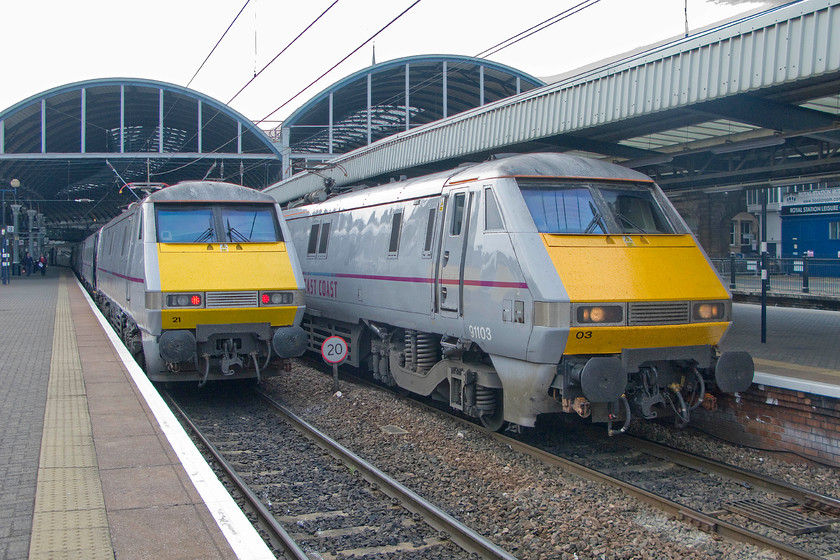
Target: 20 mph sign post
{"points": [[334, 351]]}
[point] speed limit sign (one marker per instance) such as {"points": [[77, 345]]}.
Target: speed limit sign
{"points": [[334, 350]]}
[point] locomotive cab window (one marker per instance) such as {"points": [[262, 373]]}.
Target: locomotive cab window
{"points": [[563, 210], [184, 224], [231, 223], [250, 224], [612, 209]]}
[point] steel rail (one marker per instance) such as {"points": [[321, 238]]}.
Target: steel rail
{"points": [[277, 534], [701, 520], [804, 496], [460, 534]]}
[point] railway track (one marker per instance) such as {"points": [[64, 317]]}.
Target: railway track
{"points": [[718, 498], [756, 509], [313, 498]]}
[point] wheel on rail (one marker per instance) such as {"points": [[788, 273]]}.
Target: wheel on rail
{"points": [[133, 341], [494, 418]]}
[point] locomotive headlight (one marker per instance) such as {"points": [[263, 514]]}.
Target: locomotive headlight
{"points": [[709, 311], [292, 297], [600, 314], [184, 300]]}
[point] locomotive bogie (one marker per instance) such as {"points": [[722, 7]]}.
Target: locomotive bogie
{"points": [[536, 284]]}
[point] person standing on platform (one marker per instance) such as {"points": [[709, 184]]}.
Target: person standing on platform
{"points": [[27, 263], [4, 260], [42, 265]]}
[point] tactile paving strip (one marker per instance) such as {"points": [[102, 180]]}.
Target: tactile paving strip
{"points": [[70, 519]]}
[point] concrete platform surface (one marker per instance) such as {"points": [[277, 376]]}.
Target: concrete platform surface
{"points": [[93, 464]]}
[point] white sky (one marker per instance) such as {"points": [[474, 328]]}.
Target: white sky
{"points": [[49, 43]]}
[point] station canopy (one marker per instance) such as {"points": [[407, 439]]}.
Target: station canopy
{"points": [[72, 149], [391, 97]]}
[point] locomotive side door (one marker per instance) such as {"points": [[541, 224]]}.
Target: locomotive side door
{"points": [[450, 276]]}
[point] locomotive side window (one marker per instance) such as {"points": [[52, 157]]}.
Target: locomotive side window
{"points": [[457, 214], [430, 233], [325, 236], [396, 226], [492, 214], [319, 236], [126, 236], [312, 246]]}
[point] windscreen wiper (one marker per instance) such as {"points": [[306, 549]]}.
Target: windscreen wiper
{"points": [[627, 221], [597, 220], [206, 236], [234, 233]]}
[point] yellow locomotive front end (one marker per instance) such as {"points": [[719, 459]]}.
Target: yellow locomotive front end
{"points": [[639, 291], [229, 292], [227, 283], [646, 309]]}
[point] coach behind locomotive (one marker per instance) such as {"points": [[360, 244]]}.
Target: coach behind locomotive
{"points": [[197, 280], [525, 285]]}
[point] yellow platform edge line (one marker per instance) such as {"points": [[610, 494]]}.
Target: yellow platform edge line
{"points": [[795, 367], [69, 518]]}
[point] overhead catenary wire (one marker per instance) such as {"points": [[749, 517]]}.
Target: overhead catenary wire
{"points": [[510, 41], [150, 138], [284, 49], [536, 28], [217, 42], [484, 54], [256, 74], [354, 51]]}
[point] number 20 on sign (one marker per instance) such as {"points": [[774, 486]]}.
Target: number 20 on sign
{"points": [[334, 351]]}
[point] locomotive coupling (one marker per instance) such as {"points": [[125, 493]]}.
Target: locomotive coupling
{"points": [[734, 372], [177, 346], [289, 342]]}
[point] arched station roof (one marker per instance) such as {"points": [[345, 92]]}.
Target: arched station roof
{"points": [[392, 97], [72, 148]]}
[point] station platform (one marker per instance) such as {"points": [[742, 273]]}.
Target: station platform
{"points": [[92, 463], [800, 352]]}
